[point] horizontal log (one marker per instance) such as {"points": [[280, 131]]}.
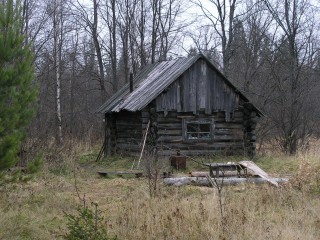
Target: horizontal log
{"points": [[229, 125], [172, 114], [227, 138], [169, 126], [126, 147], [168, 152], [187, 117], [170, 139], [208, 145], [204, 181], [189, 145], [228, 131], [170, 132]]}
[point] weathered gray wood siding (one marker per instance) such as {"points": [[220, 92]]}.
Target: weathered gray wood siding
{"points": [[228, 136], [200, 88], [128, 131]]}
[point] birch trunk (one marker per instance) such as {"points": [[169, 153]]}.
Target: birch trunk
{"points": [[57, 25]]}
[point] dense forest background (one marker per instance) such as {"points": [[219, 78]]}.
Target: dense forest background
{"points": [[84, 52]]}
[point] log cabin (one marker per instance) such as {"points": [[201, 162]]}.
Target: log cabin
{"points": [[185, 104]]}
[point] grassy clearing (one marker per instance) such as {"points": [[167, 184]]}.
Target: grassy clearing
{"points": [[35, 209]]}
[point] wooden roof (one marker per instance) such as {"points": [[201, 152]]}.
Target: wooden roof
{"points": [[152, 81]]}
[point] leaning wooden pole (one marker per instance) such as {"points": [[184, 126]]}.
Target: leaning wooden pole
{"points": [[143, 145]]}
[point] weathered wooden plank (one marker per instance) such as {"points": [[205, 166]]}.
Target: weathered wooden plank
{"points": [[199, 88], [178, 92], [251, 166], [193, 90], [185, 80]]}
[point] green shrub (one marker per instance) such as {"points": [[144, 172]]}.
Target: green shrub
{"points": [[87, 224], [36, 164]]}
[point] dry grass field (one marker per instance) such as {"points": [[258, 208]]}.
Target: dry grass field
{"points": [[34, 206]]}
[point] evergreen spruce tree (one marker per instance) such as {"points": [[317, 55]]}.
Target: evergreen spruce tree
{"points": [[17, 93]]}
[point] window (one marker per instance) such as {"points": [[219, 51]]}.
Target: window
{"points": [[201, 129]]}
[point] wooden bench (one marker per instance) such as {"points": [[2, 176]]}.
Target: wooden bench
{"points": [[219, 169], [120, 173]]}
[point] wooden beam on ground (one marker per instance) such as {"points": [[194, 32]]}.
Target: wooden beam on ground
{"points": [[257, 171], [203, 181]]}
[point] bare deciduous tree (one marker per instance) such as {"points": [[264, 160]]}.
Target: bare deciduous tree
{"points": [[221, 14], [291, 75]]}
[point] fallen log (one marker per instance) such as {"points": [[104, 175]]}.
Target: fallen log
{"points": [[221, 174], [203, 181]]}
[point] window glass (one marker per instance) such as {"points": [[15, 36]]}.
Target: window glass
{"points": [[198, 129]]}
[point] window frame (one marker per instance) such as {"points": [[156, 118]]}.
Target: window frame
{"points": [[198, 121]]}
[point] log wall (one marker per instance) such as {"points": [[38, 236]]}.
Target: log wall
{"points": [[228, 136], [235, 137], [129, 132]]}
